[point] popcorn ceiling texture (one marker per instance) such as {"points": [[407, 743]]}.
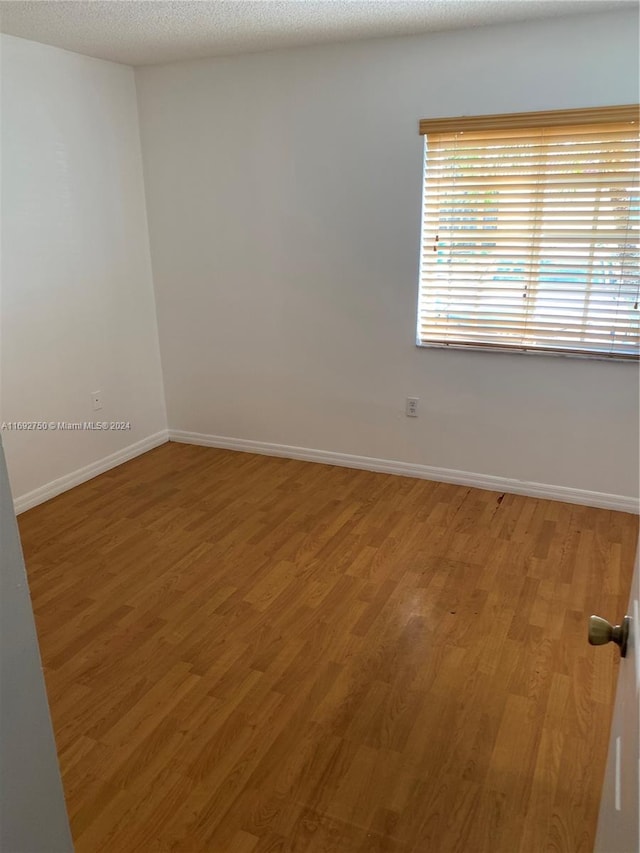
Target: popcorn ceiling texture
{"points": [[157, 31]]}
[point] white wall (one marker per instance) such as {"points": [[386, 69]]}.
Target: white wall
{"points": [[78, 311], [283, 192]]}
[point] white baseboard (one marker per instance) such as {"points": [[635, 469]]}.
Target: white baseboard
{"points": [[412, 469], [346, 460], [81, 475]]}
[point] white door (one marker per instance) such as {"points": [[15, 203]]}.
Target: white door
{"points": [[618, 827], [33, 816]]}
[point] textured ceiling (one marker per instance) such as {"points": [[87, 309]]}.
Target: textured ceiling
{"points": [[153, 31]]}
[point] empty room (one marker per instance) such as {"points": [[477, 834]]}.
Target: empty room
{"points": [[319, 420]]}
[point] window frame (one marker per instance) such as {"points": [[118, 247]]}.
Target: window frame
{"points": [[504, 122]]}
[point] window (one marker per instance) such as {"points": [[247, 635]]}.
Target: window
{"points": [[530, 232]]}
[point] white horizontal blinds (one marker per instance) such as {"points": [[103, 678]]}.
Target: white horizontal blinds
{"points": [[530, 235]]}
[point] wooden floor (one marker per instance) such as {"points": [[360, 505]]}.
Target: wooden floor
{"points": [[250, 654]]}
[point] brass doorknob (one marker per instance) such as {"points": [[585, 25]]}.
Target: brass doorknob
{"points": [[601, 632]]}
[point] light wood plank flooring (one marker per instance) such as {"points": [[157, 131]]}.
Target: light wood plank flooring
{"points": [[246, 654]]}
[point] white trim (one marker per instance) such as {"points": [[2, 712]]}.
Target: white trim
{"points": [[412, 469], [81, 475]]}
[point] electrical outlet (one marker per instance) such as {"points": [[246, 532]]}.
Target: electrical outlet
{"points": [[96, 400], [411, 408]]}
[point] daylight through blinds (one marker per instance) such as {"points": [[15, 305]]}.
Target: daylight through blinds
{"points": [[530, 233]]}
